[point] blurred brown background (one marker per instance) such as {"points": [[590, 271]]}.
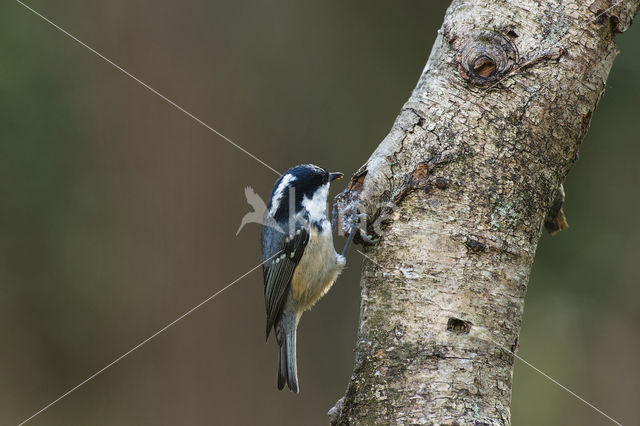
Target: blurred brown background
{"points": [[118, 213]]}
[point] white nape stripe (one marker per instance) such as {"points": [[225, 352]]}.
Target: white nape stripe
{"points": [[317, 205], [277, 196]]}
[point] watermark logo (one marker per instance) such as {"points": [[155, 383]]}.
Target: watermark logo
{"points": [[260, 214], [259, 209]]}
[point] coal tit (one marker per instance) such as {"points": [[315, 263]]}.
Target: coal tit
{"points": [[300, 261]]}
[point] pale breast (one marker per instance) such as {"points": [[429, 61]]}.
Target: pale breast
{"points": [[314, 275]]}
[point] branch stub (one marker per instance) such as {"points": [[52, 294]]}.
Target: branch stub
{"points": [[486, 57]]}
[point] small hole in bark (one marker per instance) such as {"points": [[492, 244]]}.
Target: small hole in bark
{"points": [[398, 331], [458, 326], [474, 244], [442, 183], [484, 66], [512, 34]]}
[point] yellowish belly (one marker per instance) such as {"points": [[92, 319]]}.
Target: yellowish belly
{"points": [[314, 276]]}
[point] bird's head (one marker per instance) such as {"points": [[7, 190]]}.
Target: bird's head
{"points": [[309, 187]]}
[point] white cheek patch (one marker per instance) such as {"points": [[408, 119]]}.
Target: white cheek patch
{"points": [[277, 196], [317, 205]]}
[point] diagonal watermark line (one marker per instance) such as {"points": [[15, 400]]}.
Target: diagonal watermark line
{"points": [[572, 393], [145, 85], [608, 9], [142, 343], [370, 259], [551, 379]]}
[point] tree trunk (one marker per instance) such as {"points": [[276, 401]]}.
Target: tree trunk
{"points": [[461, 188]]}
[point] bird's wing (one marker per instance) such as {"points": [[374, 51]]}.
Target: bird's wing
{"points": [[279, 270]]}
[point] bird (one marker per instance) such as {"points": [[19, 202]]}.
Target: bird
{"points": [[300, 263]]}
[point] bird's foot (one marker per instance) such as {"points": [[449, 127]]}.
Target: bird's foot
{"points": [[359, 223]]}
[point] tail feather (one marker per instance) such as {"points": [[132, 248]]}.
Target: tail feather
{"points": [[292, 367], [282, 366], [287, 368]]}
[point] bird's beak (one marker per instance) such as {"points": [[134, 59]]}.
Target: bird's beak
{"points": [[335, 175]]}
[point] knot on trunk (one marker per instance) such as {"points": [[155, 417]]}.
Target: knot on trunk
{"points": [[486, 57]]}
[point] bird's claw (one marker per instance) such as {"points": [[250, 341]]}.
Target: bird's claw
{"points": [[359, 223], [367, 239]]}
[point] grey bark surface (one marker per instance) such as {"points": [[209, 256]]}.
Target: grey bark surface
{"points": [[473, 166]]}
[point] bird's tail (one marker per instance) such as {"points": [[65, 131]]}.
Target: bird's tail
{"points": [[287, 366]]}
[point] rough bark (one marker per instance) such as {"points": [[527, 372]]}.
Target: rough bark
{"points": [[462, 186]]}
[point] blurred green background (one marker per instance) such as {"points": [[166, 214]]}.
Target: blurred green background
{"points": [[118, 213]]}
